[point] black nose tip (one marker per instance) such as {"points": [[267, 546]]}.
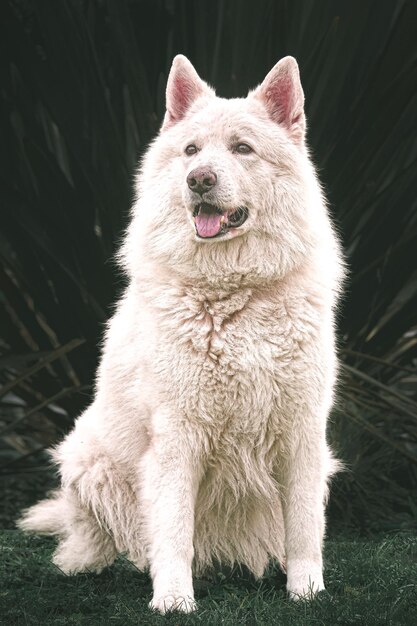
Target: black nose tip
{"points": [[201, 179]]}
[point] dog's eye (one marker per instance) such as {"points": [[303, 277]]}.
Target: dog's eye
{"points": [[242, 148], [191, 149]]}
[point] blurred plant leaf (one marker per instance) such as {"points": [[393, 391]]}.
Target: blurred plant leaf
{"points": [[82, 95]]}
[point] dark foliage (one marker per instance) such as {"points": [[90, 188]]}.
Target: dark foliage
{"points": [[82, 93]]}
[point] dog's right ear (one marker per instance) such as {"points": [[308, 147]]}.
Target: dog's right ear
{"points": [[183, 88], [283, 97]]}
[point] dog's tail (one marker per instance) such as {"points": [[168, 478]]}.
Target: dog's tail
{"points": [[48, 517]]}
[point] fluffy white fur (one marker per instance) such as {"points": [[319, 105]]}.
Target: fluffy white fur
{"points": [[207, 435]]}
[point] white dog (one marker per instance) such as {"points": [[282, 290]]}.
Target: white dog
{"points": [[206, 439]]}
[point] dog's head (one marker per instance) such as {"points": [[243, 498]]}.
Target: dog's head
{"points": [[227, 186]]}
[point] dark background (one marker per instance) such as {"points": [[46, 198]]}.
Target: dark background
{"points": [[82, 93]]}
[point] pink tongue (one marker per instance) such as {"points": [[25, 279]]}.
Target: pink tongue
{"points": [[208, 224]]}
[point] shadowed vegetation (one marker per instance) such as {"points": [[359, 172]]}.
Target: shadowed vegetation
{"points": [[370, 583], [83, 93]]}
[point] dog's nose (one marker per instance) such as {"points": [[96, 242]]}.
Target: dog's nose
{"points": [[201, 179]]}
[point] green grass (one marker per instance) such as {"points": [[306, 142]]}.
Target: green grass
{"points": [[372, 583]]}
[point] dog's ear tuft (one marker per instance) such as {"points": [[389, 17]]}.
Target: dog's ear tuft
{"points": [[283, 97], [183, 88]]}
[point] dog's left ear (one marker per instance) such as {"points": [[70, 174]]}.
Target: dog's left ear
{"points": [[283, 97], [184, 86]]}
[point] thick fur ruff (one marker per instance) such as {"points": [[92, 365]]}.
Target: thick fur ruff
{"points": [[206, 439]]}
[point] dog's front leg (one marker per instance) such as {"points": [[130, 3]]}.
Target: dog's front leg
{"points": [[303, 506], [170, 483]]}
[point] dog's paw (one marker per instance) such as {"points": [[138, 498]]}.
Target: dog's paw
{"points": [[173, 602], [71, 561], [305, 592], [304, 580]]}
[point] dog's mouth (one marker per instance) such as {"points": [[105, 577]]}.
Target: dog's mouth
{"points": [[210, 221]]}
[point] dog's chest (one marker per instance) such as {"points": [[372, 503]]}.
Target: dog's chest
{"points": [[230, 362]]}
